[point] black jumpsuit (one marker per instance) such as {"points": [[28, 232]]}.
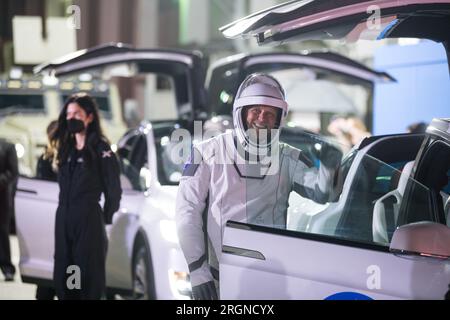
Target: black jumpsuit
{"points": [[8, 175], [80, 237]]}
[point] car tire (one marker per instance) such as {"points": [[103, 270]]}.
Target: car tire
{"points": [[142, 275]]}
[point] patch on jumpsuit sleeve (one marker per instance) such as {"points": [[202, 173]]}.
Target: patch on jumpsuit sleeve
{"points": [[305, 159], [107, 154]]}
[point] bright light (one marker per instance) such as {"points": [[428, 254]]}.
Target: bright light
{"points": [[224, 97], [318, 146], [408, 41], [86, 86], [165, 141], [146, 175], [34, 85], [50, 81], [85, 77], [114, 147], [14, 84], [15, 73], [20, 150], [168, 230], [180, 284], [291, 124]]}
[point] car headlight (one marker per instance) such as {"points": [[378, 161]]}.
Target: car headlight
{"points": [[20, 150], [168, 230]]}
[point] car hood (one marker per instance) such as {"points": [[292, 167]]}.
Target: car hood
{"points": [[351, 19]]}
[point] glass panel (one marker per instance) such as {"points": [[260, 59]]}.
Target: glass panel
{"points": [[132, 158], [356, 197], [10, 103]]}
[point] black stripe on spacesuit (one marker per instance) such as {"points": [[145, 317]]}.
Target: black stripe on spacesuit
{"points": [[244, 176], [214, 273], [313, 194], [304, 158], [197, 264]]}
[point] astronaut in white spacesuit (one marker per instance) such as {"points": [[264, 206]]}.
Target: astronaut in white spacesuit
{"points": [[245, 175]]}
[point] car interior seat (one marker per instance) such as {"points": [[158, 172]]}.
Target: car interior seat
{"points": [[386, 208]]}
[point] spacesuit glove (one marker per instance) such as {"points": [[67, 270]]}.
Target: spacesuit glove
{"points": [[330, 156], [205, 291]]}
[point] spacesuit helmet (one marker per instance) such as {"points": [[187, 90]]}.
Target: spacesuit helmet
{"points": [[263, 90]]}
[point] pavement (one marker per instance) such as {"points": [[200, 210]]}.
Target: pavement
{"points": [[16, 290]]}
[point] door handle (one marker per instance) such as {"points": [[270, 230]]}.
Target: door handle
{"points": [[27, 191], [243, 252]]}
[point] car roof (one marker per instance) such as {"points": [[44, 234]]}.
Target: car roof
{"points": [[114, 52]]}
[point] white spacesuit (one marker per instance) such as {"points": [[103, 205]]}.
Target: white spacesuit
{"points": [[221, 182]]}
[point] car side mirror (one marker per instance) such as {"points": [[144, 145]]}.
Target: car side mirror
{"points": [[425, 239], [145, 177]]}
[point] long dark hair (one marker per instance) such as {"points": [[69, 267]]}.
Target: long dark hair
{"points": [[65, 141]]}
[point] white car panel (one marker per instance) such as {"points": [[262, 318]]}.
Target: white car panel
{"points": [[296, 268]]}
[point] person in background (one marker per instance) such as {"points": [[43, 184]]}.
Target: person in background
{"points": [[349, 131], [417, 127], [46, 165], [87, 168], [9, 173]]}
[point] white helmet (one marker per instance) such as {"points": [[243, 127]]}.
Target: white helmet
{"points": [[258, 89]]}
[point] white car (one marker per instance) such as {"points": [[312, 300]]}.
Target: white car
{"points": [[386, 235], [144, 259]]}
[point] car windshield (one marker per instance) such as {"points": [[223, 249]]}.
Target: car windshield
{"points": [[21, 102]]}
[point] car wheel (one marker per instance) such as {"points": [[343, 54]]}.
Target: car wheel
{"points": [[142, 275]]}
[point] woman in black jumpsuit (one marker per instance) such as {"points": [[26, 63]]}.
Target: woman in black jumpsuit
{"points": [[87, 168]]}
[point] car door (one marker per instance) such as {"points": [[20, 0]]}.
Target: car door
{"points": [[35, 207], [353, 19], [318, 85], [333, 250]]}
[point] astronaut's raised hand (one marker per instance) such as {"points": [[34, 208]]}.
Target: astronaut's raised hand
{"points": [[205, 291], [330, 156]]}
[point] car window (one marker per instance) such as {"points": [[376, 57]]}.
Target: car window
{"points": [[433, 171], [361, 205], [170, 157], [314, 95], [21, 102], [132, 155]]}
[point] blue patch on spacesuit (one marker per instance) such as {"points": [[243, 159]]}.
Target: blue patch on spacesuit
{"points": [[189, 169], [191, 166], [348, 296]]}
